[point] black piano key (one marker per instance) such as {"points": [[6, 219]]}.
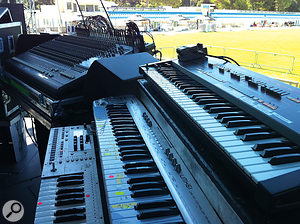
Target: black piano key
{"points": [[120, 115], [135, 157], [144, 179], [154, 204], [69, 195], [69, 190], [222, 109], [199, 96], [226, 114], [70, 177], [193, 87], [147, 185], [187, 85], [176, 78], [138, 164], [195, 91], [191, 83], [121, 122], [128, 147], [134, 151], [115, 105], [210, 105], [276, 143], [210, 100], [158, 213], [267, 153], [69, 183], [241, 123], [233, 118], [123, 127], [69, 211], [247, 130], [149, 192], [259, 136], [173, 74], [69, 201], [282, 159], [136, 147], [120, 118], [130, 142], [132, 136], [126, 132], [169, 75], [138, 170], [69, 218]]}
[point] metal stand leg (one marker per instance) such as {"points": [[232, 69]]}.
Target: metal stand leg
{"points": [[42, 134]]}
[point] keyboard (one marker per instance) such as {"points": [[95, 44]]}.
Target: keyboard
{"points": [[252, 119], [69, 190], [145, 180]]}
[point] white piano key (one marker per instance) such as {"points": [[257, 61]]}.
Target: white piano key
{"points": [[212, 125], [240, 148], [227, 138], [274, 173], [253, 161], [216, 129], [268, 167], [221, 133], [242, 155]]}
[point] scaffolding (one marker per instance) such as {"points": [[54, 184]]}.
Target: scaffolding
{"points": [[30, 17]]}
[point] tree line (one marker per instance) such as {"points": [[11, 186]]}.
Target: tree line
{"points": [[261, 5]]}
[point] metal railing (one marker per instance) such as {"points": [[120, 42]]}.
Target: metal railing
{"points": [[251, 58], [287, 81]]}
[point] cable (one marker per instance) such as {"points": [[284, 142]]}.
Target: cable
{"points": [[106, 14], [225, 58], [57, 105], [27, 131], [160, 53], [81, 15], [33, 128]]}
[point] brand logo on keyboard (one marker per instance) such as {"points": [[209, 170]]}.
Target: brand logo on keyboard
{"points": [[186, 182]]}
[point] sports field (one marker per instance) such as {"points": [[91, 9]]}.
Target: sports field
{"points": [[280, 41]]}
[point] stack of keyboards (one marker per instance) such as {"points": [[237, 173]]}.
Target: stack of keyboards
{"points": [[202, 142]]}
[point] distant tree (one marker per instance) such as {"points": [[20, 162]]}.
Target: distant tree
{"points": [[282, 5], [294, 7], [257, 4], [173, 3], [241, 4], [223, 4]]}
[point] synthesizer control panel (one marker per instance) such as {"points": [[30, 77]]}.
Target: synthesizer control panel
{"points": [[69, 190], [146, 180]]}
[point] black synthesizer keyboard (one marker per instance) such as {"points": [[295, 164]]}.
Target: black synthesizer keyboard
{"points": [[252, 120], [145, 180]]}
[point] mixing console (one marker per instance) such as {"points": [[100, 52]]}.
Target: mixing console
{"points": [[57, 66]]}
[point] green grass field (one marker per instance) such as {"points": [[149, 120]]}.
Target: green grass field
{"points": [[282, 41]]}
